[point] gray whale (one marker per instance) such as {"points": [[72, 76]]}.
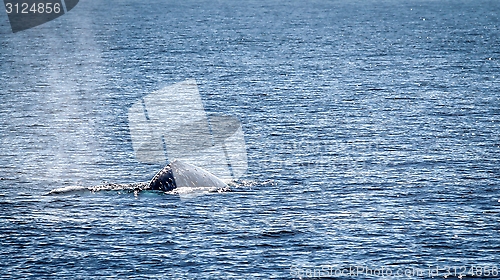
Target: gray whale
{"points": [[176, 174]]}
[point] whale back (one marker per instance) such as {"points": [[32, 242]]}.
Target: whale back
{"points": [[178, 174], [163, 180]]}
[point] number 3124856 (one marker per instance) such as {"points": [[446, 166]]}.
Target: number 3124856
{"points": [[25, 8]]}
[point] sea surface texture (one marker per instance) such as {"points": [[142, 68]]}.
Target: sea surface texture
{"points": [[372, 132]]}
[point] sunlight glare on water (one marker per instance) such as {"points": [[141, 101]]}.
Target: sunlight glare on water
{"points": [[371, 131]]}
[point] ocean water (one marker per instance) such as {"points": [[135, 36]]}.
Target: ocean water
{"points": [[372, 132]]}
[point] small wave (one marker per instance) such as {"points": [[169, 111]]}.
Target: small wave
{"points": [[106, 187], [119, 187], [249, 183], [278, 233], [189, 192]]}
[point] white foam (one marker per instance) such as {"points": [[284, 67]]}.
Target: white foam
{"points": [[69, 189]]}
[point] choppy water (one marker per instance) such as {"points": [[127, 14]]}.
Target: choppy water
{"points": [[372, 132]]}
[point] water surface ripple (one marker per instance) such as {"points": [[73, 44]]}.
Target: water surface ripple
{"points": [[372, 131]]}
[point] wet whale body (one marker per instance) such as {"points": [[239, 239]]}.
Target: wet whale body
{"points": [[177, 174]]}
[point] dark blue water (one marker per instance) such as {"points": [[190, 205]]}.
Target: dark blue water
{"points": [[372, 130]]}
